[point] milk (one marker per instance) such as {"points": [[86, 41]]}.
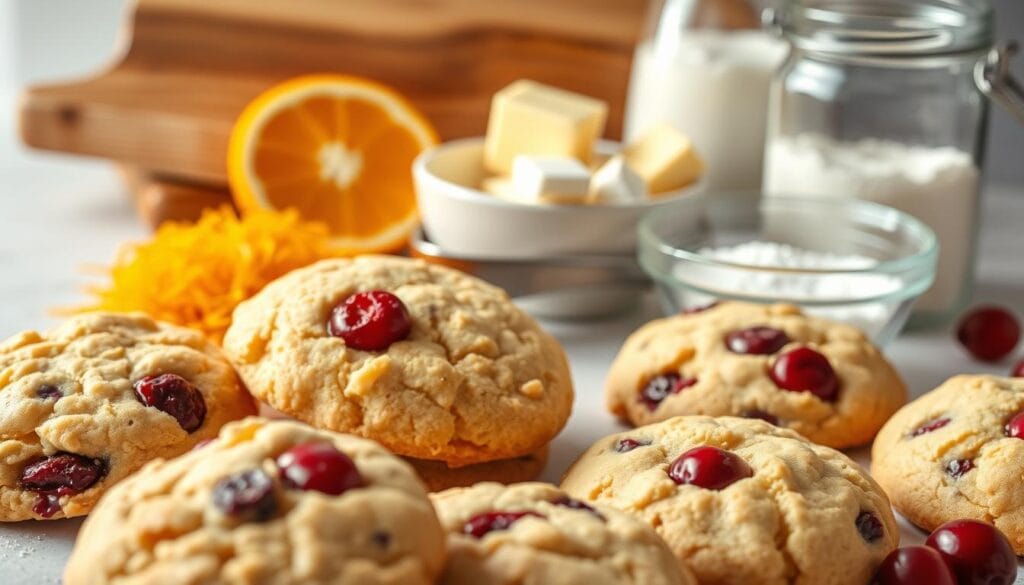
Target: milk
{"points": [[713, 86]]}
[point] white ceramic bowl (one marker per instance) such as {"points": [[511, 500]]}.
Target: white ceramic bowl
{"points": [[463, 220]]}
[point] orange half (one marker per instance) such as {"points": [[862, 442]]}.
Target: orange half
{"points": [[339, 150]]}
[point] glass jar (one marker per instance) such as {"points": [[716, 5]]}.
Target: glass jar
{"points": [[879, 99], [705, 66]]}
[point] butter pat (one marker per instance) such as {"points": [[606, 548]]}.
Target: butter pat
{"points": [[538, 179], [535, 119], [500, 187], [615, 182], [665, 158]]}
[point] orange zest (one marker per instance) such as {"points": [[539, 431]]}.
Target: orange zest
{"points": [[339, 150]]}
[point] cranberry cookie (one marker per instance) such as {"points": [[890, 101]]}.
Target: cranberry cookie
{"points": [[87, 404], [535, 533], [265, 502], [822, 379], [430, 362], [741, 501], [958, 452]]}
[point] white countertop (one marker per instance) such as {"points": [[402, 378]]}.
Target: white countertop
{"points": [[59, 213]]}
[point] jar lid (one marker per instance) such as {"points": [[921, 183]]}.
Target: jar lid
{"points": [[897, 28]]}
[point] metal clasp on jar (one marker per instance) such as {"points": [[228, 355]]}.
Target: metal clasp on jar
{"points": [[993, 77]]}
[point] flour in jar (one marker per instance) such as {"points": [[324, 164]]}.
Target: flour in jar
{"points": [[802, 277], [938, 185]]}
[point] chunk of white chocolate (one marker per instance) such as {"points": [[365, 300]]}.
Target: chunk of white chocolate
{"points": [[616, 182], [541, 179]]}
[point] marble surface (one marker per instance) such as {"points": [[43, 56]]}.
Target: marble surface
{"points": [[60, 214]]}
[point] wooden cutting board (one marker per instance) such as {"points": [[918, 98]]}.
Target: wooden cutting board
{"points": [[164, 110]]}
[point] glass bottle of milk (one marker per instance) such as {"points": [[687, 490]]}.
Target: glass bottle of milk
{"points": [[705, 67]]}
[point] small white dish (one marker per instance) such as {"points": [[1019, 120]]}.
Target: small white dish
{"points": [[464, 220]]}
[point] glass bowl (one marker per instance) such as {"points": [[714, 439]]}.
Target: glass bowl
{"points": [[848, 260]]}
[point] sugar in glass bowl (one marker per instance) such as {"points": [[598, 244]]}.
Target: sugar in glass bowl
{"points": [[848, 260]]}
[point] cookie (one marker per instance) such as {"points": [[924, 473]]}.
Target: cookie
{"points": [[88, 403], [265, 502], [535, 533], [825, 380], [958, 452], [432, 363], [439, 476], [741, 501]]}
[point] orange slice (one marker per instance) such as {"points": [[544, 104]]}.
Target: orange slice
{"points": [[339, 150]]}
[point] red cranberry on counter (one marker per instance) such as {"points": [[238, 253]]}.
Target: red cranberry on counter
{"points": [[989, 333], [977, 552], [914, 565]]}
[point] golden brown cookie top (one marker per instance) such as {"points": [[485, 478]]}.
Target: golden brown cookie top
{"points": [[475, 379], [265, 502], [742, 501], [744, 359], [953, 452], [536, 533], [88, 403]]}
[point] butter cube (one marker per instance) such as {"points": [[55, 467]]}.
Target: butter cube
{"points": [[665, 158], [535, 119], [499, 186], [539, 179], [615, 182]]}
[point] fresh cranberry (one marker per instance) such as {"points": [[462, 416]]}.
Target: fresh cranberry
{"points": [[63, 474], [709, 467], [805, 370], [760, 340], [957, 468], [319, 467], [174, 395], [930, 426], [978, 553], [989, 333], [698, 308], [1018, 370], [869, 527], [661, 387], [1015, 428], [49, 392], [248, 495], [761, 415], [574, 504], [482, 524], [626, 445], [914, 565], [370, 321]]}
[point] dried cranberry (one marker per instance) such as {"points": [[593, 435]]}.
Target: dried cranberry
{"points": [[174, 395], [930, 426], [1018, 370], [319, 467], [699, 308], [49, 392], [869, 527], [977, 552], [760, 340], [63, 473], [572, 503], [370, 321], [989, 333], [482, 524], [957, 468], [661, 387], [805, 370], [1015, 428], [626, 445], [709, 467], [248, 495], [914, 565]]}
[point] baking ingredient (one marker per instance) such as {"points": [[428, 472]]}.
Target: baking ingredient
{"points": [[869, 527], [939, 186], [661, 387], [989, 333], [665, 158], [914, 565], [791, 285], [370, 320], [616, 182], [499, 186], [978, 552], [712, 86], [930, 427], [1015, 428], [534, 119], [759, 340], [709, 467], [174, 395], [549, 179], [339, 149], [483, 524], [1018, 371], [319, 467], [195, 274], [805, 370], [957, 468], [247, 495]]}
